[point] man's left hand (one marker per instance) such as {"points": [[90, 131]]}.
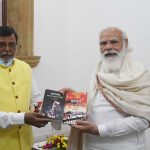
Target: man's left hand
{"points": [[86, 127]]}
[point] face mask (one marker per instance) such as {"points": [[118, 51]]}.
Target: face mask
{"points": [[8, 63]]}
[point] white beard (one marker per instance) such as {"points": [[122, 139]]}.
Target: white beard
{"points": [[112, 64]]}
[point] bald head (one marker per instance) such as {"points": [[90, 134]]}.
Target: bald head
{"points": [[124, 36]]}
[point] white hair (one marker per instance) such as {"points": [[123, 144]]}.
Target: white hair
{"points": [[113, 63], [124, 35]]}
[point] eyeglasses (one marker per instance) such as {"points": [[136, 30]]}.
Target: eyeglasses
{"points": [[113, 42], [11, 45]]}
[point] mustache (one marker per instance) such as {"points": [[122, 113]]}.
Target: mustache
{"points": [[5, 53], [110, 52]]}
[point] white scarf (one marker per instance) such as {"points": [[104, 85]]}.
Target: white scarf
{"points": [[129, 90]]}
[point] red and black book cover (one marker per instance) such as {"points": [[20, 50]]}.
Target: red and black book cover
{"points": [[75, 107]]}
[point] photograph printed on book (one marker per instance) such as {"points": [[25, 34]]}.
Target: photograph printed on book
{"points": [[75, 107], [53, 105]]}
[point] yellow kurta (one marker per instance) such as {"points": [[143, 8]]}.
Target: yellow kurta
{"points": [[15, 96]]}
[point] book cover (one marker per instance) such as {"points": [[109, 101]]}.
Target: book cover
{"points": [[75, 107], [53, 105]]}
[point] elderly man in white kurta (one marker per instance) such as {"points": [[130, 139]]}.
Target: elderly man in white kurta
{"points": [[119, 100]]}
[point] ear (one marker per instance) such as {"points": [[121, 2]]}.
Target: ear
{"points": [[126, 41]]}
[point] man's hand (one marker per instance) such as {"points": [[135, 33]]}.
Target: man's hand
{"points": [[64, 90], [86, 127], [35, 119]]}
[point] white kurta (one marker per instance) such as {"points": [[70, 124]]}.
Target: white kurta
{"points": [[117, 132]]}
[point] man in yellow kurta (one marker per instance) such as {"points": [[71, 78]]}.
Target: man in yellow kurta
{"points": [[16, 96]]}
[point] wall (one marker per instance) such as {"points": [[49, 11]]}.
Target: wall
{"points": [[66, 38], [50, 38]]}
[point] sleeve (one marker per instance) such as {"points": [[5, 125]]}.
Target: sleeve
{"points": [[36, 98], [8, 119], [123, 126]]}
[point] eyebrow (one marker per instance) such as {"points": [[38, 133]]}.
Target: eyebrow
{"points": [[110, 39]]}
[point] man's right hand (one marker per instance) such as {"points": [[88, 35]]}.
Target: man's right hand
{"points": [[35, 119], [64, 90]]}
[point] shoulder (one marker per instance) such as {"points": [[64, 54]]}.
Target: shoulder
{"points": [[21, 63]]}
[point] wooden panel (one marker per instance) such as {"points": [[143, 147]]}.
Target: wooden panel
{"points": [[20, 16]]}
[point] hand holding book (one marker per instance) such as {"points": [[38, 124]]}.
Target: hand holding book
{"points": [[75, 107], [65, 105]]}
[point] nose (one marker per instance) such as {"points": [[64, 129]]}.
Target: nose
{"points": [[7, 47], [108, 45]]}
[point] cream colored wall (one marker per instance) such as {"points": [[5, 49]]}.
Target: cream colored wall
{"points": [[50, 38], [66, 38]]}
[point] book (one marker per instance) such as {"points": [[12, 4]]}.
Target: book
{"points": [[66, 108], [53, 105], [75, 107]]}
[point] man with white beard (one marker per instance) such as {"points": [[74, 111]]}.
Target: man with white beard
{"points": [[119, 100], [112, 57]]}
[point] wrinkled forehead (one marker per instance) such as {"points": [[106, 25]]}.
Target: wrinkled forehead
{"points": [[10, 38], [111, 34]]}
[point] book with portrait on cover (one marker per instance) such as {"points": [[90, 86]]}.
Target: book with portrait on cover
{"points": [[53, 105], [66, 108]]}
